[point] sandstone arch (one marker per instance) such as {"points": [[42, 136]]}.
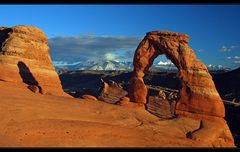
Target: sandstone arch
{"points": [[197, 93]]}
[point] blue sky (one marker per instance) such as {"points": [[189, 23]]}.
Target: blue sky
{"points": [[77, 32]]}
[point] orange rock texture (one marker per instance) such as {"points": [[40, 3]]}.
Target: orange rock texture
{"points": [[89, 97], [197, 93], [112, 92], [25, 58]]}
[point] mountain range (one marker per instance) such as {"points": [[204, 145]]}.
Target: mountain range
{"points": [[94, 65], [109, 65]]}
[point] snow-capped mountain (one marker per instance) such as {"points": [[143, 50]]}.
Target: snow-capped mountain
{"points": [[110, 65]]}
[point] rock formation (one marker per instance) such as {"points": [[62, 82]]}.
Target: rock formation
{"points": [[111, 93], [25, 58], [124, 101], [89, 97], [197, 95], [162, 94]]}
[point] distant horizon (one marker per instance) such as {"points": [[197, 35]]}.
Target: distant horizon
{"points": [[104, 66], [112, 32]]}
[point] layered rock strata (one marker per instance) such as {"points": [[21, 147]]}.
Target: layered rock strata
{"points": [[25, 58]]}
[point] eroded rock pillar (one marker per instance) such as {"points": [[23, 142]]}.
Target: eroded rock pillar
{"points": [[143, 59]]}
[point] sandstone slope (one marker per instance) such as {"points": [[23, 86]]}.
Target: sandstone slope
{"points": [[34, 120]]}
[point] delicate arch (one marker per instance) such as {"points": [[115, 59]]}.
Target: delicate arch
{"points": [[197, 93]]}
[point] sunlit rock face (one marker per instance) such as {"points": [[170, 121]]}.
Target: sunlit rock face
{"points": [[25, 58], [197, 93]]}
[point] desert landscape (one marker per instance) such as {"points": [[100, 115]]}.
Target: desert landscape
{"points": [[43, 108]]}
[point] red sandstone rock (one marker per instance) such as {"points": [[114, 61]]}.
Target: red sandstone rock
{"points": [[33, 88], [197, 94], [112, 92], [89, 97], [137, 90], [25, 58], [124, 101], [161, 94]]}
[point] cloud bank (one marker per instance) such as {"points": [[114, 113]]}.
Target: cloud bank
{"points": [[236, 62], [91, 47], [62, 63]]}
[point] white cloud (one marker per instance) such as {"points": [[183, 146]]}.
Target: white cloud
{"points": [[110, 56], [229, 49], [236, 62], [225, 49], [201, 51], [62, 63], [234, 46], [233, 57]]}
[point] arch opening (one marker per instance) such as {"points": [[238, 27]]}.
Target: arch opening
{"points": [[163, 86]]}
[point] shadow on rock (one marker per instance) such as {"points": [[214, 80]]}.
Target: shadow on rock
{"points": [[28, 78]]}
